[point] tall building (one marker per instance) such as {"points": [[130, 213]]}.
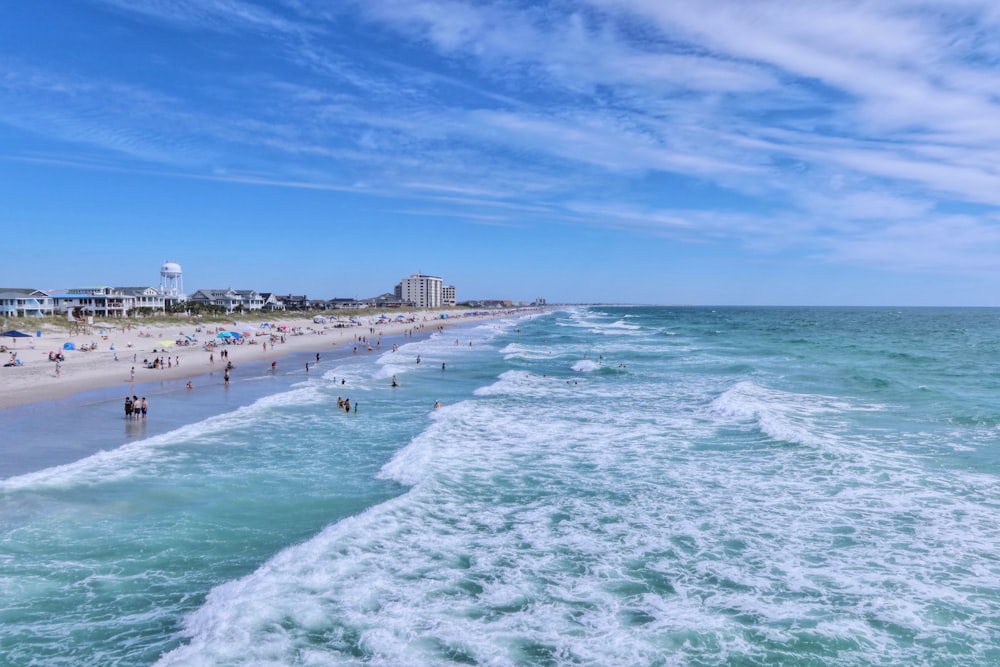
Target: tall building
{"points": [[448, 295], [420, 290]]}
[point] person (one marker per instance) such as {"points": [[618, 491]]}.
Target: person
{"points": [[437, 404], [355, 408], [418, 358], [128, 408], [133, 374], [274, 365], [58, 368], [145, 406], [135, 407], [394, 381], [307, 367], [226, 376], [347, 405], [340, 402], [189, 385], [317, 357], [442, 365]]}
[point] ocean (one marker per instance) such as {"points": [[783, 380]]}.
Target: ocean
{"points": [[602, 486]]}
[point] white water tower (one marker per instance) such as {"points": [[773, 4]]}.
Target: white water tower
{"points": [[172, 281]]}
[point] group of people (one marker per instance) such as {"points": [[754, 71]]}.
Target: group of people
{"points": [[134, 408], [160, 362], [345, 405]]}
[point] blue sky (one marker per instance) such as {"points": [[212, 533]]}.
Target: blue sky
{"points": [[723, 152]]}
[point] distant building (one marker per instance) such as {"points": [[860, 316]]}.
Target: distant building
{"points": [[252, 300], [390, 300], [80, 302], [145, 297], [423, 291], [448, 295], [295, 301], [344, 302], [24, 302], [227, 298], [271, 302]]}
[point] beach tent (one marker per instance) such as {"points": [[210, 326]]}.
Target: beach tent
{"points": [[14, 334], [265, 325], [69, 346]]}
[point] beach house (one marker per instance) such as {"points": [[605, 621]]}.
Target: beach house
{"points": [[24, 302]]}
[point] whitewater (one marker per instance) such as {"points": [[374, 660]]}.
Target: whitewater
{"points": [[603, 486]]}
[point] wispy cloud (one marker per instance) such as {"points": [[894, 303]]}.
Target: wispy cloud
{"points": [[843, 128]]}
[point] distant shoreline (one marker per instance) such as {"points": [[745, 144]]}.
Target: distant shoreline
{"points": [[35, 381]]}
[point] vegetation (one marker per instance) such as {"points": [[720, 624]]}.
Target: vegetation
{"points": [[196, 314]]}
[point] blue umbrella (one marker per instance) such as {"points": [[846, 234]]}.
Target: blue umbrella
{"points": [[14, 334], [224, 334]]}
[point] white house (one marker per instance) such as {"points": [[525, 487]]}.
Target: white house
{"points": [[145, 297]]}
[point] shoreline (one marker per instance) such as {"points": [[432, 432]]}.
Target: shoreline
{"points": [[36, 382]]}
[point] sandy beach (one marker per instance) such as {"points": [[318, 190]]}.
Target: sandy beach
{"points": [[38, 379]]}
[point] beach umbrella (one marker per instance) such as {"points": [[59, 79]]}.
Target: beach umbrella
{"points": [[224, 334]]}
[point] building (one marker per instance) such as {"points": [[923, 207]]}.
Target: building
{"points": [[252, 299], [24, 302], [145, 297], [80, 302], [422, 291], [294, 301], [271, 302], [448, 295], [227, 298]]}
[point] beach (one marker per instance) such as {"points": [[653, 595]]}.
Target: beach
{"points": [[36, 379]]}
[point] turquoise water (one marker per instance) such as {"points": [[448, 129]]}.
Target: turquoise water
{"points": [[604, 486]]}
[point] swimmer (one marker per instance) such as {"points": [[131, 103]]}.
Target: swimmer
{"points": [[438, 404], [189, 385], [394, 381]]}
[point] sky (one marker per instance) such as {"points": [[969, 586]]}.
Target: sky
{"points": [[630, 151]]}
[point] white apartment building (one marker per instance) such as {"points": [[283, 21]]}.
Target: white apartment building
{"points": [[448, 295], [420, 290]]}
